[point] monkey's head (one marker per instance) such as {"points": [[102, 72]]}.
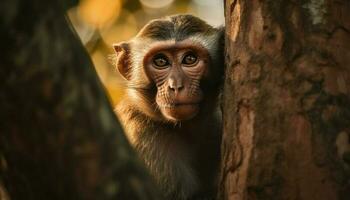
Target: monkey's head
{"points": [[172, 66]]}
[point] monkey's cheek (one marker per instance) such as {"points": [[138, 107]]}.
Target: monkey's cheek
{"points": [[181, 112]]}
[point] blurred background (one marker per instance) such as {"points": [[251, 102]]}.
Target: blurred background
{"points": [[100, 23]]}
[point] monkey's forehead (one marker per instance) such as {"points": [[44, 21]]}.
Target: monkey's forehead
{"points": [[196, 40], [178, 27]]}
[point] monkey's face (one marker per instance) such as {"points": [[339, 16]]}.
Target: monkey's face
{"points": [[176, 68], [172, 67]]}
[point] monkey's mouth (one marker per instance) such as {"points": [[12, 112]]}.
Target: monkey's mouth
{"points": [[179, 111], [178, 105]]}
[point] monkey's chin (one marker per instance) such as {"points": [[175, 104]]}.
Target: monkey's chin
{"points": [[180, 112]]}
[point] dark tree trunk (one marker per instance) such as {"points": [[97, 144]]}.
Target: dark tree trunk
{"points": [[286, 100], [59, 138]]}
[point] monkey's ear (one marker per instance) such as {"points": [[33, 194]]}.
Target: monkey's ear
{"points": [[123, 60]]}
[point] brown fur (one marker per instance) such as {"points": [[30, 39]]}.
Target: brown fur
{"points": [[182, 156]]}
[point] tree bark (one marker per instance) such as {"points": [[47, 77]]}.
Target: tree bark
{"points": [[59, 137], [286, 100]]}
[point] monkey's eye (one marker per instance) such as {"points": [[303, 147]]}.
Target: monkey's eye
{"points": [[189, 59], [160, 61]]}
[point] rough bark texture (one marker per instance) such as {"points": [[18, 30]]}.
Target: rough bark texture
{"points": [[59, 138], [286, 100]]}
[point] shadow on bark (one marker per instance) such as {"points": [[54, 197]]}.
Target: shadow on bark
{"points": [[59, 137]]}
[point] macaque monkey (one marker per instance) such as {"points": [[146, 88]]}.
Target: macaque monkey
{"points": [[173, 70]]}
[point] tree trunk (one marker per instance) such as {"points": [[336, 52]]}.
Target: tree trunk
{"points": [[59, 138], [286, 100]]}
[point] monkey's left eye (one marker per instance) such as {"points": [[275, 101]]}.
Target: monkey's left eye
{"points": [[160, 61], [189, 59]]}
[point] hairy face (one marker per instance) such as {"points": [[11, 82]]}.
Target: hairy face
{"points": [[167, 64], [176, 68]]}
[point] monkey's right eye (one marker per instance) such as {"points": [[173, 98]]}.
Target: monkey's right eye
{"points": [[160, 61]]}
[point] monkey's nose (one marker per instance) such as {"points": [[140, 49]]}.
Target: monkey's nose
{"points": [[175, 85], [176, 88]]}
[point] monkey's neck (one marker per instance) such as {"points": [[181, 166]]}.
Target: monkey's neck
{"points": [[176, 154]]}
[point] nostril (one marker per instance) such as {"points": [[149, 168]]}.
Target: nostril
{"points": [[176, 88], [172, 88]]}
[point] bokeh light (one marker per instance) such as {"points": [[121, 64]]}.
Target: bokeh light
{"points": [[156, 3], [99, 12], [118, 32], [209, 10]]}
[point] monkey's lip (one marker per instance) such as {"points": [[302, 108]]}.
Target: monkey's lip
{"points": [[177, 105], [179, 111]]}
